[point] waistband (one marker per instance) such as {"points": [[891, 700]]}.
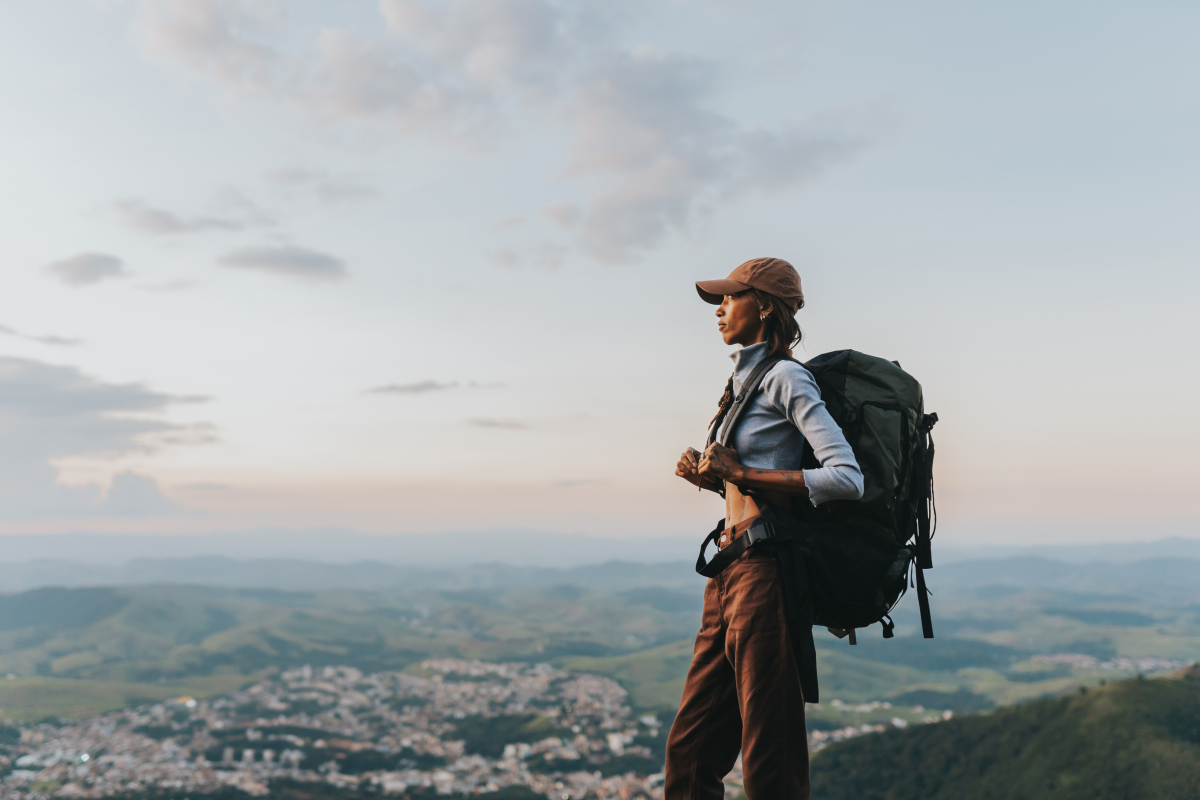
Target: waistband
{"points": [[729, 534]]}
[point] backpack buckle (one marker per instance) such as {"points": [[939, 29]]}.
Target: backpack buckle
{"points": [[759, 531]]}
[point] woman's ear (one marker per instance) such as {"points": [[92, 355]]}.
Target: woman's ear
{"points": [[764, 312]]}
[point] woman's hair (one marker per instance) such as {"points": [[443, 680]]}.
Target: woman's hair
{"points": [[783, 332]]}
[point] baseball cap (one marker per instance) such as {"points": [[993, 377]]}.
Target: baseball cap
{"points": [[771, 275]]}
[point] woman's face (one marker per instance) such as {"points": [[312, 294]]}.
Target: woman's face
{"points": [[738, 320]]}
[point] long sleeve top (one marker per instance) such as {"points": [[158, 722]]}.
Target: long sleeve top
{"points": [[787, 410]]}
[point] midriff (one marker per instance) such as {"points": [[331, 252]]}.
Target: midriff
{"points": [[741, 507]]}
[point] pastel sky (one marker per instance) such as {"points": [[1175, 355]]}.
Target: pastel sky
{"points": [[410, 265]]}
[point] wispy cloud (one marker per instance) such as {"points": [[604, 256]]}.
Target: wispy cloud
{"points": [[86, 269], [49, 412], [52, 340], [424, 387], [498, 424], [420, 387], [647, 140], [224, 39], [160, 222], [292, 262]]}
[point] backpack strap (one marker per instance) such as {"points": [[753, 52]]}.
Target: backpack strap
{"points": [[797, 602], [723, 428], [924, 478]]}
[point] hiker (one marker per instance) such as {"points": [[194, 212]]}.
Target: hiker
{"points": [[743, 689]]}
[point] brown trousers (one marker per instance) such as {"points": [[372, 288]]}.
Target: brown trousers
{"points": [[742, 693]]}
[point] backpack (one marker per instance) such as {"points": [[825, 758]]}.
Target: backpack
{"points": [[846, 563]]}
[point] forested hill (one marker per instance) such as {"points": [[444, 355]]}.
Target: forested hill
{"points": [[1133, 740]]}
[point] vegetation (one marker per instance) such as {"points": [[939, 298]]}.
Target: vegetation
{"points": [[77, 652], [487, 736], [32, 699], [1132, 739], [294, 790]]}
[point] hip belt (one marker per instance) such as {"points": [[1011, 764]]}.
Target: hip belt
{"points": [[733, 541]]}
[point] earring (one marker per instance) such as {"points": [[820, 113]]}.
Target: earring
{"points": [[762, 317]]}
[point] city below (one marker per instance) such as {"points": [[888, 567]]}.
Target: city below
{"points": [[449, 727]]}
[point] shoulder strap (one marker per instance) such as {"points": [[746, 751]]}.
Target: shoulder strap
{"points": [[723, 429]]}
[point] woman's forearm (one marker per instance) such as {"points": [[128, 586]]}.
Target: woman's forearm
{"points": [[785, 481]]}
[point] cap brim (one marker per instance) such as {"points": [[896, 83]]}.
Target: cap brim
{"points": [[714, 291]]}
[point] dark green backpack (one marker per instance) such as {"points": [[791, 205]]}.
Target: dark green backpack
{"points": [[847, 563]]}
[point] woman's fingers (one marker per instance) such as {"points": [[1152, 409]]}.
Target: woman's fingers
{"points": [[687, 472]]}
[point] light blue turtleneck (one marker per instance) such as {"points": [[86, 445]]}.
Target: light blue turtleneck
{"points": [[787, 410]]}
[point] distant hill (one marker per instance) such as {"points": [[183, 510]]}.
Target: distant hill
{"points": [[291, 574], [144, 634], [1132, 740], [454, 549], [1170, 579], [341, 546]]}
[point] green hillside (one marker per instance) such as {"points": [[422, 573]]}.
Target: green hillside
{"points": [[33, 699], [128, 641], [1132, 740], [146, 634]]}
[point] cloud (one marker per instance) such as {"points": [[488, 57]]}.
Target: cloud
{"points": [[291, 262], [498, 44], [648, 143], [59, 341], [223, 39], [159, 222], [86, 269], [133, 495], [50, 412], [498, 424], [421, 387]]}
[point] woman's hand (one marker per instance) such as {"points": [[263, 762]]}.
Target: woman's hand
{"points": [[688, 468], [720, 462]]}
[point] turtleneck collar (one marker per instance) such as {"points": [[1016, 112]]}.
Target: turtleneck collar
{"points": [[744, 361]]}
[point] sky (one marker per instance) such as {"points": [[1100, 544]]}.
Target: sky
{"points": [[416, 266]]}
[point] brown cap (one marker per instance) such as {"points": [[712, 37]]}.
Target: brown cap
{"points": [[771, 275]]}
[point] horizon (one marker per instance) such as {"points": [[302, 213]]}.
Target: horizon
{"points": [[346, 548]]}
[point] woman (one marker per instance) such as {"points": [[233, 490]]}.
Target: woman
{"points": [[743, 688]]}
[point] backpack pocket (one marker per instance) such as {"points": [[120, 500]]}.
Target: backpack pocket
{"points": [[879, 438]]}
